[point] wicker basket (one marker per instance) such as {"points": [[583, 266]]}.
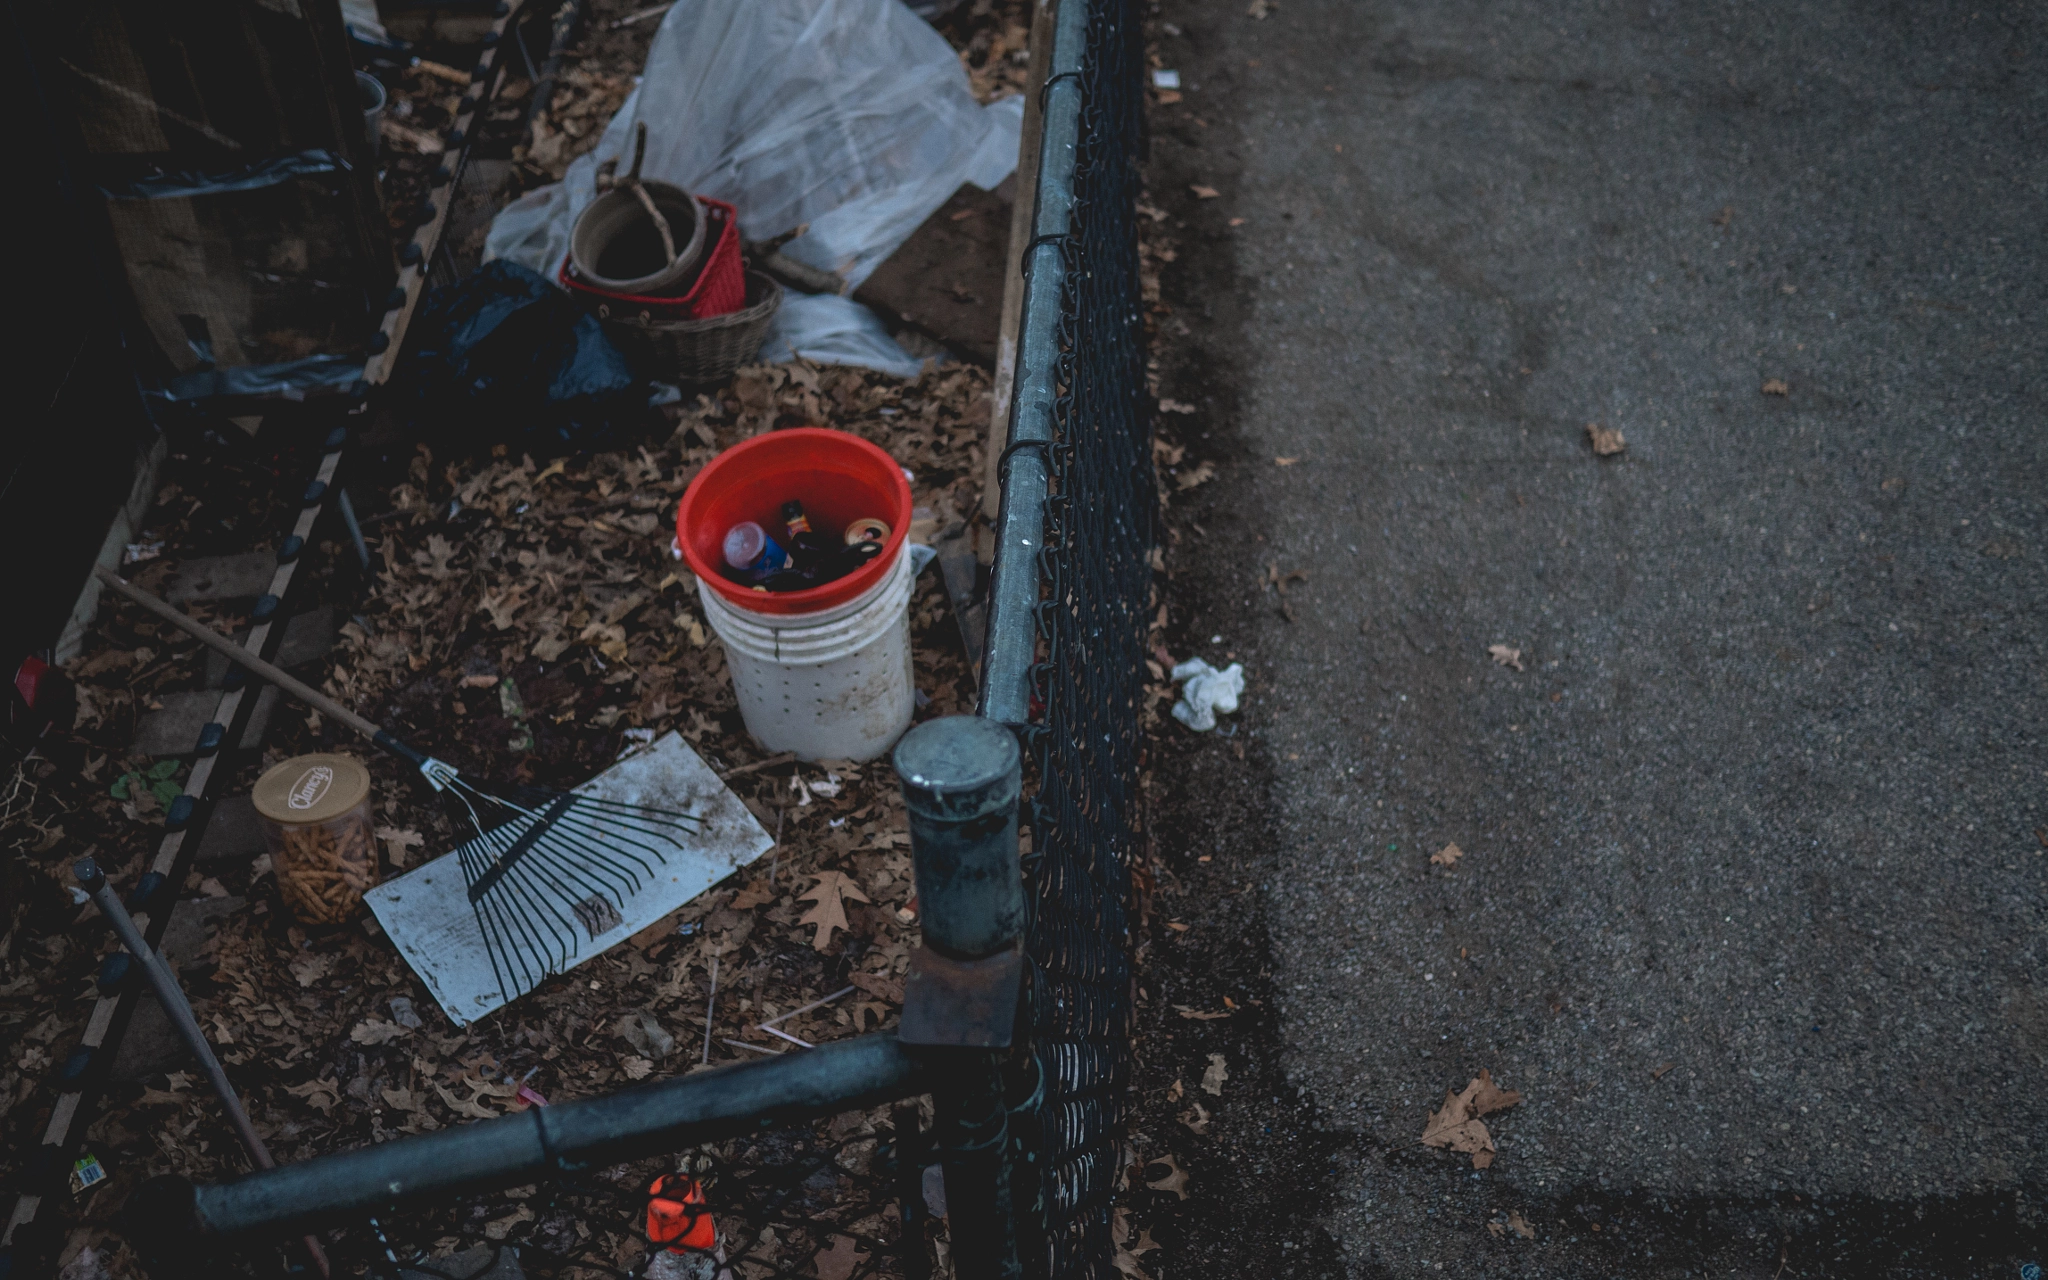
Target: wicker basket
{"points": [[696, 350]]}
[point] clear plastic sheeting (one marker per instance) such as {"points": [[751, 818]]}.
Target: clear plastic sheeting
{"points": [[830, 329], [849, 119]]}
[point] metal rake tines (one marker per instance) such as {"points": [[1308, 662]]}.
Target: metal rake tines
{"points": [[556, 873]]}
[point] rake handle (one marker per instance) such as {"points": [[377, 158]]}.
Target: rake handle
{"points": [[243, 658]]}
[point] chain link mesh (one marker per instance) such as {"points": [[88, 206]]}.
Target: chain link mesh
{"points": [[1089, 686]]}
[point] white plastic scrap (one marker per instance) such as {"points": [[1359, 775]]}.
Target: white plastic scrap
{"points": [[1205, 691]]}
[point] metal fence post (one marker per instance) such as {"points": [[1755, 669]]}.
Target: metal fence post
{"points": [[962, 779]]}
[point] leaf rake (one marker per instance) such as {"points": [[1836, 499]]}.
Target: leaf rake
{"points": [[546, 869]]}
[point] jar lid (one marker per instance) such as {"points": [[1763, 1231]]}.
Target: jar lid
{"points": [[311, 788]]}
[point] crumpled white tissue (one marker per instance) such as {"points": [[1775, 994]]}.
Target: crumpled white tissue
{"points": [[1205, 691]]}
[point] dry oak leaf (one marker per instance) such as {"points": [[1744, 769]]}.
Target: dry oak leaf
{"points": [[636, 1068], [752, 896], [1514, 1222], [1447, 856], [1777, 387], [320, 1094], [1506, 655], [1196, 1118], [1126, 1259], [1214, 1075], [472, 1106], [1199, 474], [1204, 193], [838, 1262], [376, 1031], [397, 840], [1607, 441], [1174, 1180], [1458, 1126], [830, 913]]}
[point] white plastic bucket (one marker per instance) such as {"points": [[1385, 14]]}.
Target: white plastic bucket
{"points": [[831, 685]]}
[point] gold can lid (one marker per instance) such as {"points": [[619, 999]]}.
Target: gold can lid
{"points": [[311, 788]]}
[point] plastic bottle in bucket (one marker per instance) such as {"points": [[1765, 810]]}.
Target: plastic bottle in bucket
{"points": [[806, 546], [751, 554]]}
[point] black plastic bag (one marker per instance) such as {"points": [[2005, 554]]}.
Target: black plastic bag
{"points": [[504, 357]]}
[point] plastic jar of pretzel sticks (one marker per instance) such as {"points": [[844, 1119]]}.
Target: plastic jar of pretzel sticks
{"points": [[316, 816]]}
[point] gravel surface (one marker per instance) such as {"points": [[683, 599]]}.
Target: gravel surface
{"points": [[1753, 800]]}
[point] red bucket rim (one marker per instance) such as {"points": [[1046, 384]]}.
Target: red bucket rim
{"points": [[816, 599]]}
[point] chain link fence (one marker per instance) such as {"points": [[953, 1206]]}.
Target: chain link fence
{"points": [[1079, 476]]}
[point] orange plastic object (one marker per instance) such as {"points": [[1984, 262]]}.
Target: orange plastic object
{"points": [[838, 477], [677, 1216]]}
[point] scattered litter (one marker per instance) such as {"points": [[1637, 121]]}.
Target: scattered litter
{"points": [[1165, 79], [1175, 406], [1206, 692], [1457, 1126], [645, 1033], [86, 1173], [1777, 387], [1285, 462], [1214, 1075], [1200, 1015], [1447, 856], [1607, 441], [1506, 655], [1204, 193], [404, 1014], [137, 552]]}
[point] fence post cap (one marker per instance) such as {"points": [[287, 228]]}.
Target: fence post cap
{"points": [[957, 768]]}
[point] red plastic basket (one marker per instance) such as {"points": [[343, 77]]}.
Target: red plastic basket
{"points": [[720, 288]]}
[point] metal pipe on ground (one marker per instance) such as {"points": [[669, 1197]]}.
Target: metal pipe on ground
{"points": [[176, 1224]]}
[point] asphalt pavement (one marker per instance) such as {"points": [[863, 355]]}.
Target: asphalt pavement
{"points": [[1738, 730]]}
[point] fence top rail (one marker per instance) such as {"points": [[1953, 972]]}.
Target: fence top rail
{"points": [[1025, 472]]}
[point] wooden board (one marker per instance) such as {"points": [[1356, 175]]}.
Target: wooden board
{"points": [[947, 279]]}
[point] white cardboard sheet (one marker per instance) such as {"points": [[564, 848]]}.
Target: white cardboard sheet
{"points": [[427, 912]]}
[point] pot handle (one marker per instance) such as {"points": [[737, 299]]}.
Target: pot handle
{"points": [[668, 239]]}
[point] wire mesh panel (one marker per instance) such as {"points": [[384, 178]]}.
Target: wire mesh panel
{"points": [[1083, 735]]}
